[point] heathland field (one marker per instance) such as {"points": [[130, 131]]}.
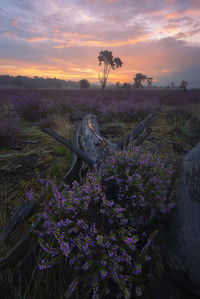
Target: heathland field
{"points": [[31, 161]]}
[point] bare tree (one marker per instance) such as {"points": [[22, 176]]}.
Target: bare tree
{"points": [[109, 62]]}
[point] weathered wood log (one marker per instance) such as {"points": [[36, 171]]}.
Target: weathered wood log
{"points": [[29, 141], [91, 147], [88, 140], [92, 142], [18, 217], [67, 143], [182, 247], [137, 131], [19, 251], [147, 131], [72, 174]]}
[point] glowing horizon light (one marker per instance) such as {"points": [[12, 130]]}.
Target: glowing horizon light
{"points": [[158, 38]]}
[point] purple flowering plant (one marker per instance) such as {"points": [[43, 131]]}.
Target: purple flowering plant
{"points": [[103, 228], [31, 107]]}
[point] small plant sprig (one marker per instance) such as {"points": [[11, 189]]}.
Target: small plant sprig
{"points": [[103, 228]]}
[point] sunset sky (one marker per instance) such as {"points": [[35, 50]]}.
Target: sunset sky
{"points": [[63, 38]]}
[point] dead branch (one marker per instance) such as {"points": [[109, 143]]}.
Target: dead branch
{"points": [[137, 131]]}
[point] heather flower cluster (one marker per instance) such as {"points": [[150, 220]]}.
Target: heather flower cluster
{"points": [[103, 228]]}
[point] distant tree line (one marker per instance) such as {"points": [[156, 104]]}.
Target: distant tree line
{"points": [[183, 86], [138, 80], [36, 82], [109, 62]]}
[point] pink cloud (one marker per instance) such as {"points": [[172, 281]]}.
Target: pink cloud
{"points": [[170, 1]]}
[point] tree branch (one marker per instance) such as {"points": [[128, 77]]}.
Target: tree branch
{"points": [[68, 144], [135, 133]]}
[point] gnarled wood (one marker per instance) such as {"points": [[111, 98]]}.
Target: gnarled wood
{"points": [[89, 147], [67, 143], [18, 217], [19, 251], [182, 249], [88, 140], [137, 131]]}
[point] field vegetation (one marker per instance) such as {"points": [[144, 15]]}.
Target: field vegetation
{"points": [[32, 165]]}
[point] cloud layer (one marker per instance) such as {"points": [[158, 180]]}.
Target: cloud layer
{"points": [[58, 38]]}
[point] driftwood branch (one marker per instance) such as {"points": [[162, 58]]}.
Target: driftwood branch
{"points": [[18, 217], [147, 131], [88, 140], [16, 253], [83, 156], [71, 174], [137, 131], [89, 147], [30, 141]]}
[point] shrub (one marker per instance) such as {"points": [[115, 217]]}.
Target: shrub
{"points": [[103, 229]]}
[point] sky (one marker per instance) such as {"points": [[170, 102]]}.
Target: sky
{"points": [[62, 39]]}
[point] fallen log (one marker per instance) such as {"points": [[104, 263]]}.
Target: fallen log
{"points": [[19, 251], [182, 249], [67, 143], [147, 131], [89, 147], [30, 141], [137, 131], [89, 141], [72, 174], [18, 217]]}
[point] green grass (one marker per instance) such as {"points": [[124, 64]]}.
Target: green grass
{"points": [[62, 150], [117, 123], [180, 126]]}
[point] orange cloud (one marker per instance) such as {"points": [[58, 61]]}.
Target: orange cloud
{"points": [[170, 27], [15, 22], [96, 43], [174, 15], [29, 39]]}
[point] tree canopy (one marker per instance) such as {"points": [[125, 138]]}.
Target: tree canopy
{"points": [[139, 78], [84, 83], [109, 61]]}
